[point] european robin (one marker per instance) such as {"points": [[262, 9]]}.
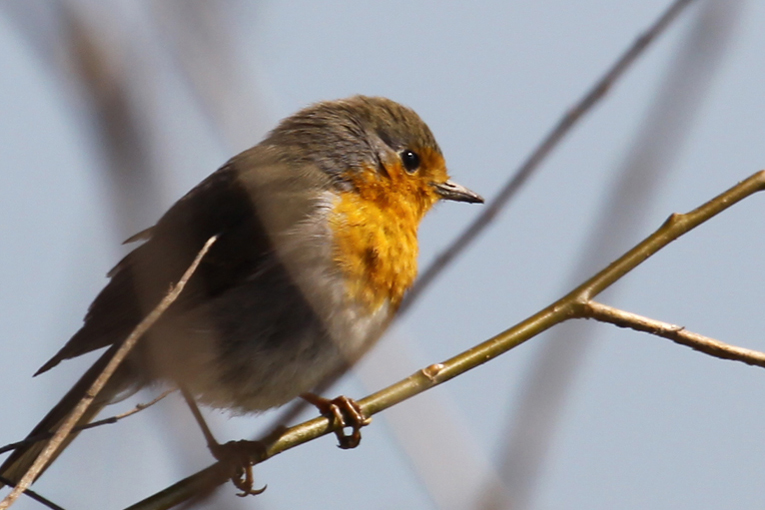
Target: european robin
{"points": [[316, 246]]}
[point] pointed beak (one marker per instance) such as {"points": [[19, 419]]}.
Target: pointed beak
{"points": [[452, 191]]}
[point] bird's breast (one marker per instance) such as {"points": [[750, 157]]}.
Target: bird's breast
{"points": [[375, 246]]}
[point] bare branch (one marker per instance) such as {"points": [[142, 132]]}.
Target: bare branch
{"points": [[102, 379], [34, 495], [678, 334], [570, 306], [106, 421]]}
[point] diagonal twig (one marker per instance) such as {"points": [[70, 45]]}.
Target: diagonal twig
{"points": [[106, 421], [678, 334], [34, 495], [561, 129], [82, 406]]}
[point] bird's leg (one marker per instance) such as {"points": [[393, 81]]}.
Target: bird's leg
{"points": [[346, 412], [240, 455]]}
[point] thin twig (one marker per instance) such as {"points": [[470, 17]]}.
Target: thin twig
{"points": [[561, 129], [34, 495], [137, 409], [678, 334], [568, 307], [106, 421], [102, 379]]}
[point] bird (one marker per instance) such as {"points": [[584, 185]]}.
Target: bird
{"points": [[316, 246]]}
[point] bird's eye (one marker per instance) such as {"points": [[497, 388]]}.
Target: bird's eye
{"points": [[411, 160]]}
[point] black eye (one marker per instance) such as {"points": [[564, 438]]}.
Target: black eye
{"points": [[411, 161]]}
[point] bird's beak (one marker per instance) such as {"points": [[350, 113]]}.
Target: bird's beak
{"points": [[452, 191]]}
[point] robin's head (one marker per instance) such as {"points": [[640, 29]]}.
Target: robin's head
{"points": [[387, 172], [373, 146]]}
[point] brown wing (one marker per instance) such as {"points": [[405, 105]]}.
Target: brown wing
{"points": [[220, 205]]}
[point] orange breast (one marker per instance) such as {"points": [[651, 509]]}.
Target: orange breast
{"points": [[375, 233]]}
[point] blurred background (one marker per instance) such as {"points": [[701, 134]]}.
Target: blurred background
{"points": [[111, 111]]}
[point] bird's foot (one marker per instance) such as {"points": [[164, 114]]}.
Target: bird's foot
{"points": [[240, 456], [345, 412]]}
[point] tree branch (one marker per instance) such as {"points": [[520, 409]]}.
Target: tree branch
{"points": [[678, 334], [106, 421], [573, 305], [34, 495], [82, 406]]}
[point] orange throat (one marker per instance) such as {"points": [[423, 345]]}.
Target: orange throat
{"points": [[375, 232]]}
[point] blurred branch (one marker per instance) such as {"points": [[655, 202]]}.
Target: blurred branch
{"points": [[106, 77], [572, 305], [66, 427], [200, 40], [678, 334], [90, 60], [561, 129]]}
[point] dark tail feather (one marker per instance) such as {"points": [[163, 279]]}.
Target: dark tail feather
{"points": [[23, 457]]}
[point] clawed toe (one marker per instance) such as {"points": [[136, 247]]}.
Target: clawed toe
{"points": [[240, 456], [346, 412]]}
